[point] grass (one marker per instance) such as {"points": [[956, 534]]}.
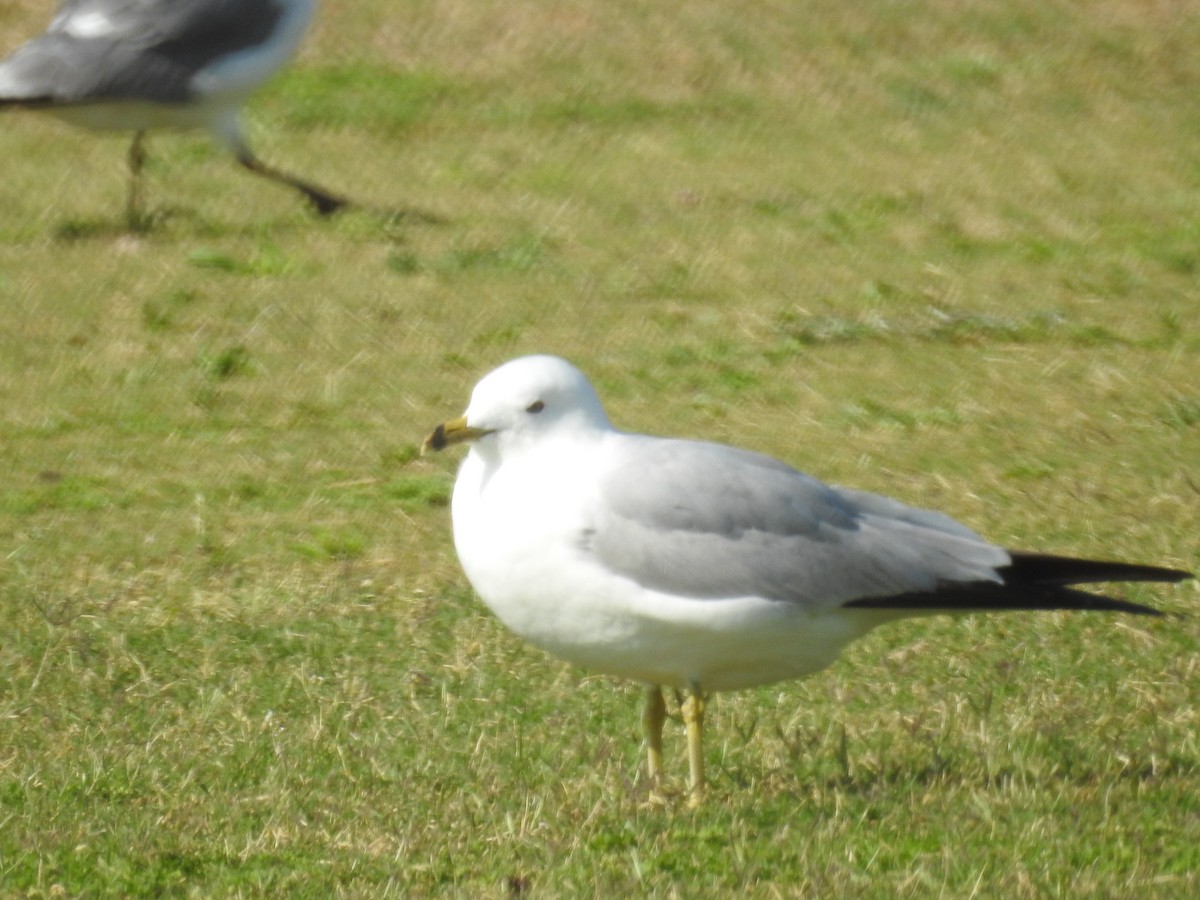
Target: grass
{"points": [[939, 250]]}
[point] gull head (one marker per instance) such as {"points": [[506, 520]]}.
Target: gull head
{"points": [[524, 401]]}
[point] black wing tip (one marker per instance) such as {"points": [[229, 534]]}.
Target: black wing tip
{"points": [[1047, 569], [986, 597], [1035, 582]]}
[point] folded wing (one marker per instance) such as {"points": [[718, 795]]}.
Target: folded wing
{"points": [[708, 521]]}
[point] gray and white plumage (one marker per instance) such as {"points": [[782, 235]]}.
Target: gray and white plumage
{"points": [[701, 566], [138, 65]]}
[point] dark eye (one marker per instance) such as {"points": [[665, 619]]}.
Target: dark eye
{"points": [[535, 407]]}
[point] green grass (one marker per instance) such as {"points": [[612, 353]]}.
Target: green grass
{"points": [[945, 251]]}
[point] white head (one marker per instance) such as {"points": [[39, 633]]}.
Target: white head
{"points": [[525, 400]]}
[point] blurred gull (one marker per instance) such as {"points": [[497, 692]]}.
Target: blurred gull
{"points": [[142, 64], [699, 566]]}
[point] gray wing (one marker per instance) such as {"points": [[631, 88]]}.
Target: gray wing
{"points": [[146, 49], [709, 521]]}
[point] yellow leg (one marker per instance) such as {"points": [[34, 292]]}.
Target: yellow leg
{"points": [[693, 718], [653, 717]]}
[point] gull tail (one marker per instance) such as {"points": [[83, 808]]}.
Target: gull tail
{"points": [[1033, 581]]}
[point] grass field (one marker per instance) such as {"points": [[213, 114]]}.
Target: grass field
{"points": [[947, 251]]}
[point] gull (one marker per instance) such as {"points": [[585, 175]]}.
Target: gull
{"points": [[136, 65], [703, 567]]}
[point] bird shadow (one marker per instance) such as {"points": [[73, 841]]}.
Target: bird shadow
{"points": [[166, 219]]}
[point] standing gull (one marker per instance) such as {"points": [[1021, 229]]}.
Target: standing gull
{"points": [[699, 566], [134, 65]]}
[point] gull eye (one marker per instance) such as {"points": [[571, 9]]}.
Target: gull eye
{"points": [[535, 407]]}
